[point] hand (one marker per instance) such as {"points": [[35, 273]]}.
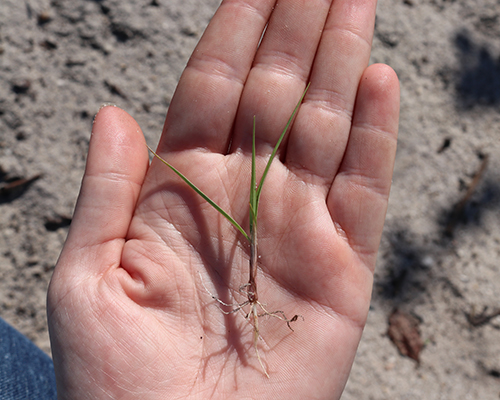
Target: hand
{"points": [[129, 306]]}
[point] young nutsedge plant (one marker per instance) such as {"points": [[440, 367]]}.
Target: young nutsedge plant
{"points": [[256, 309]]}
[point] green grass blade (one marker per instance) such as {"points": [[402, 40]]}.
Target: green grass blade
{"points": [[203, 195], [275, 150]]}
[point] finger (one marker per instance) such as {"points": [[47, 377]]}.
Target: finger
{"points": [[358, 197], [281, 70], [204, 105], [116, 165], [320, 133]]}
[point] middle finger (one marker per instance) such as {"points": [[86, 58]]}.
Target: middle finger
{"points": [[280, 71]]}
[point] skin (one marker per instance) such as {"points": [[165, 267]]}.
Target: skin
{"points": [[129, 307]]}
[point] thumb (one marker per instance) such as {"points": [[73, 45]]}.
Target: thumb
{"points": [[116, 166]]}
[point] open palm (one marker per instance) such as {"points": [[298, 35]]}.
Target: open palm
{"points": [[131, 305]]}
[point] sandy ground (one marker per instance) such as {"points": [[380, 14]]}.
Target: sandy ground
{"points": [[439, 258]]}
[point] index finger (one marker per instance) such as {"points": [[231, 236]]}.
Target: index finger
{"points": [[204, 105]]}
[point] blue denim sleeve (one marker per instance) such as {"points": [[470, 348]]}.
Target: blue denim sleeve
{"points": [[26, 372]]}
